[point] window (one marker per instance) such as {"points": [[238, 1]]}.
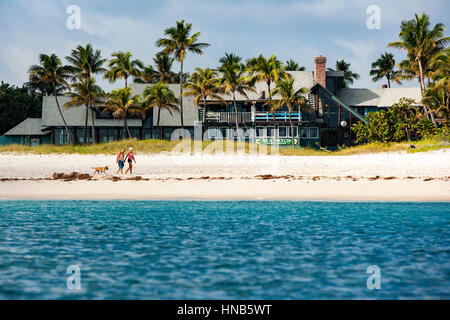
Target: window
{"points": [[261, 132], [295, 132], [304, 133], [147, 134], [282, 132], [271, 132], [313, 133], [61, 136], [213, 133]]}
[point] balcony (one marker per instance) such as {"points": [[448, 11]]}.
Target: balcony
{"points": [[277, 116], [228, 117], [244, 117]]}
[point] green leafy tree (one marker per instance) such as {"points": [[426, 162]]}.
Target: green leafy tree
{"points": [[17, 104], [397, 123], [264, 69], [421, 42], [162, 97], [163, 71], [87, 93], [83, 63], [122, 103], [292, 65], [384, 67], [178, 42], [425, 128], [289, 98], [437, 96], [122, 66], [52, 72], [204, 83], [349, 76], [234, 80]]}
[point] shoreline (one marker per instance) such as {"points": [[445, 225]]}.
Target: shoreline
{"points": [[372, 177], [220, 190]]}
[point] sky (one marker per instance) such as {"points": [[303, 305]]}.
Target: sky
{"points": [[289, 29]]}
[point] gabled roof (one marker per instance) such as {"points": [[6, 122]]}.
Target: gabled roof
{"points": [[75, 116], [28, 127], [381, 97], [330, 95]]}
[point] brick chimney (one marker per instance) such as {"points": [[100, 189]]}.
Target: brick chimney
{"points": [[320, 70]]}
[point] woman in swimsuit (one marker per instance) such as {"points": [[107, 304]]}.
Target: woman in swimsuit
{"points": [[130, 157], [120, 160]]}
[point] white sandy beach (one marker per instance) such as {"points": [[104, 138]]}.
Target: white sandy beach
{"points": [[384, 176]]}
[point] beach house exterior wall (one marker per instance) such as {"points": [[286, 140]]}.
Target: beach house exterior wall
{"points": [[333, 110]]}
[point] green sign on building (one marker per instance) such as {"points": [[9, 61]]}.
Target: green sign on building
{"points": [[279, 141]]}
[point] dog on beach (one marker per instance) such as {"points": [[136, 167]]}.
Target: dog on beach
{"points": [[100, 170]]}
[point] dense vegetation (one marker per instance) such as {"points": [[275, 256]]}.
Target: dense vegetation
{"points": [[16, 104], [427, 60], [163, 146]]}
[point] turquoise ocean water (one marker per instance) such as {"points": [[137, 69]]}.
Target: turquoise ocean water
{"points": [[223, 250]]}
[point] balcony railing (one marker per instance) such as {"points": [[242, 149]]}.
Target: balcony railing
{"points": [[277, 116], [230, 117]]}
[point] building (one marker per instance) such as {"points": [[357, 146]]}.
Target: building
{"points": [[332, 111]]}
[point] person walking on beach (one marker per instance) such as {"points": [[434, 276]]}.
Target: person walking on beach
{"points": [[120, 160], [130, 157]]}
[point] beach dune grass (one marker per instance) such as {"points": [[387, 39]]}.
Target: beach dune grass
{"points": [[164, 146]]}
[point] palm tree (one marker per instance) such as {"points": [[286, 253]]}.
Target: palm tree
{"points": [[291, 65], [266, 69], [349, 76], [179, 42], [163, 71], [420, 42], [437, 100], [162, 97], [437, 96], [122, 103], [36, 86], [122, 66], [87, 93], [440, 66], [289, 98], [234, 80], [385, 67], [204, 83], [51, 71], [83, 63]]}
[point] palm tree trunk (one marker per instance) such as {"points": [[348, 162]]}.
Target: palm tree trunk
{"points": [[389, 81], [270, 98], [126, 126], [86, 123], [236, 118], [92, 125], [204, 109], [204, 114], [422, 84], [181, 94], [422, 90], [292, 129], [157, 123], [126, 81], [60, 112]]}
